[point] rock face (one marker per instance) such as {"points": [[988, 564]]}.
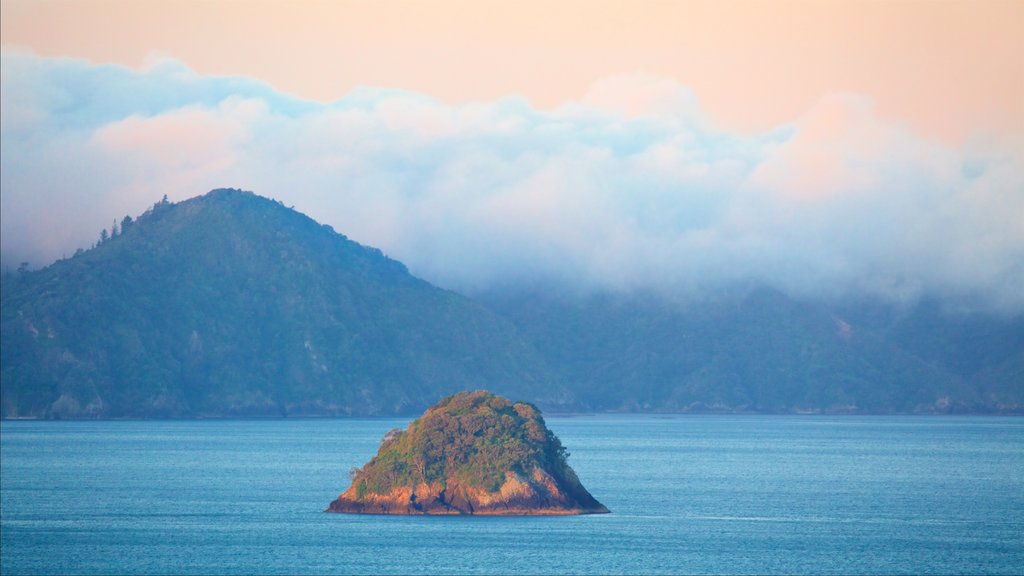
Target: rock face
{"points": [[471, 453]]}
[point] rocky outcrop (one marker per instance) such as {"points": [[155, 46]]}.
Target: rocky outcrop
{"points": [[538, 494], [472, 453]]}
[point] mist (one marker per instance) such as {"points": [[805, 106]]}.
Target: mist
{"points": [[631, 187]]}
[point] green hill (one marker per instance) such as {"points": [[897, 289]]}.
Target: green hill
{"points": [[232, 304], [471, 453], [761, 351]]}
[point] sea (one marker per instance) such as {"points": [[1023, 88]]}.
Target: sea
{"points": [[689, 494]]}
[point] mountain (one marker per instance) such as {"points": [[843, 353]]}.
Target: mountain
{"points": [[471, 453], [759, 350], [230, 304]]}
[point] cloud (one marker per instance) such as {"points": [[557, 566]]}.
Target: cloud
{"points": [[630, 187]]}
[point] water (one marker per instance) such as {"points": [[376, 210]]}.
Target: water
{"points": [[689, 494]]}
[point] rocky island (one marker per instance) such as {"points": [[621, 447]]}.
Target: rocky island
{"points": [[471, 453]]}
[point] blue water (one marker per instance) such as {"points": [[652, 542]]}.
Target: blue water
{"points": [[688, 494]]}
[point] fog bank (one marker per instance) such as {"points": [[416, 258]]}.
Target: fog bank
{"points": [[629, 187]]}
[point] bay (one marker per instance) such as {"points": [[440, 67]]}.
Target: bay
{"points": [[688, 494]]}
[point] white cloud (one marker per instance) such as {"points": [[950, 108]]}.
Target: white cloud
{"points": [[627, 188]]}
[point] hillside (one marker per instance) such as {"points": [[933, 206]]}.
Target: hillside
{"points": [[761, 351], [230, 304], [471, 453]]}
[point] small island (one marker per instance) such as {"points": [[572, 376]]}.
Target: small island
{"points": [[471, 453]]}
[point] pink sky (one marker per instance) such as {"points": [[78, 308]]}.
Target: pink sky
{"points": [[820, 147], [952, 71]]}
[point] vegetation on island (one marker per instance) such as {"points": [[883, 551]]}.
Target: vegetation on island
{"points": [[471, 453], [472, 437]]}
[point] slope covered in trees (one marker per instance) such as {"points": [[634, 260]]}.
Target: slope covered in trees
{"points": [[761, 351], [471, 453], [232, 304]]}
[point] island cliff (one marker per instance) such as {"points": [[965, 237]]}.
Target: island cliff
{"points": [[471, 453]]}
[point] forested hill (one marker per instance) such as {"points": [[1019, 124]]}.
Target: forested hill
{"points": [[759, 350], [471, 453], [232, 304]]}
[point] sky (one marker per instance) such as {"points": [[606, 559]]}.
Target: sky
{"points": [[825, 148]]}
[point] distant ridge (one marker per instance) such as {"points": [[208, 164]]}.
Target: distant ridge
{"points": [[759, 350], [230, 304]]}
